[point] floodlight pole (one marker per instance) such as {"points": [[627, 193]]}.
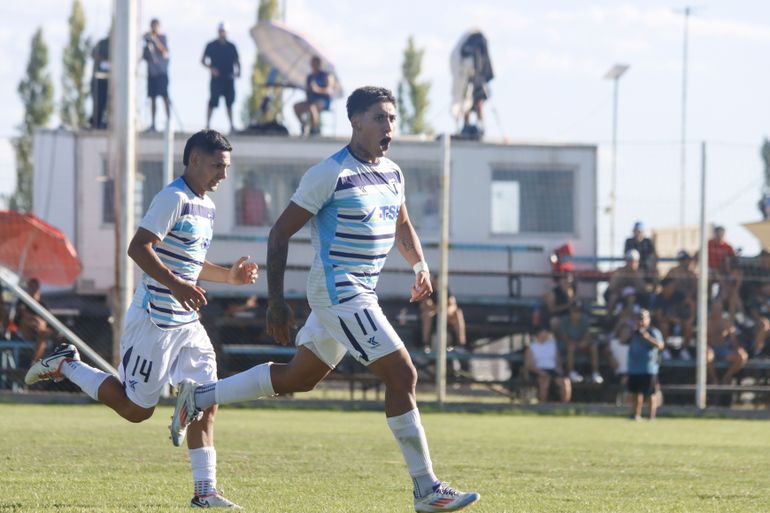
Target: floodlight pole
{"points": [[443, 273], [614, 74], [703, 271], [683, 135]]}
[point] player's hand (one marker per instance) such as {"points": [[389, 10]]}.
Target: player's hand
{"points": [[422, 287], [243, 272], [214, 72], [190, 296], [280, 320]]}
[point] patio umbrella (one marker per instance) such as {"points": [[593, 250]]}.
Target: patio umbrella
{"points": [[760, 230], [289, 52], [33, 248]]}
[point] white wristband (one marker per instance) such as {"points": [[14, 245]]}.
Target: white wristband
{"points": [[421, 267]]}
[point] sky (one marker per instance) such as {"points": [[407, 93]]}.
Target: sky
{"points": [[549, 60]]}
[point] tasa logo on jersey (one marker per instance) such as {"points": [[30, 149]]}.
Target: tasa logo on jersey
{"points": [[389, 212]]}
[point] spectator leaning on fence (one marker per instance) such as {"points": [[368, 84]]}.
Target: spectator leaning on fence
{"points": [[541, 358]]}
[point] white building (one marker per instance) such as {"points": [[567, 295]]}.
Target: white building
{"points": [[525, 196]]}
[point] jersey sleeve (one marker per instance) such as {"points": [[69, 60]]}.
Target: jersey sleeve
{"points": [[163, 213], [316, 188]]}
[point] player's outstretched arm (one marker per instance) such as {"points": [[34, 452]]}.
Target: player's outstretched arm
{"points": [[408, 244], [280, 318], [189, 295], [241, 272]]}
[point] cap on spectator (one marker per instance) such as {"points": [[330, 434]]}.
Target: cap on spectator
{"points": [[223, 25], [638, 226], [628, 291], [683, 255], [632, 254]]}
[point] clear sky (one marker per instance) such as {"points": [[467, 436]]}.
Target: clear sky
{"points": [[549, 59]]}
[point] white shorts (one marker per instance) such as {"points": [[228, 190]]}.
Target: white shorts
{"points": [[151, 357], [357, 326]]}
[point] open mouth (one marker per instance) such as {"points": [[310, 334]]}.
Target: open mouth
{"points": [[385, 142]]}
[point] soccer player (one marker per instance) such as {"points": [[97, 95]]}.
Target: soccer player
{"points": [[354, 201], [162, 338]]}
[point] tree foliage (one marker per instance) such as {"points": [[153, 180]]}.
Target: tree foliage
{"points": [[252, 111], [74, 92], [412, 93], [36, 92]]}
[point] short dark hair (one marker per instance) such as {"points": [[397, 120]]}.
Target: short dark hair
{"points": [[364, 97], [207, 141], [154, 21]]}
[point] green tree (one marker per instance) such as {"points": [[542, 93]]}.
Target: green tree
{"points": [[36, 92], [413, 93], [73, 98], [252, 111]]}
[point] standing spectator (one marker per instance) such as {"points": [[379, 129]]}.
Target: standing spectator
{"points": [[221, 57], [559, 299], [720, 253], [648, 256], [574, 333], [156, 55], [318, 87], [624, 277], [251, 203], [644, 346], [684, 278], [542, 359], [100, 81], [723, 345]]}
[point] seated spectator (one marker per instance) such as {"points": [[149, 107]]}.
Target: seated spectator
{"points": [[684, 278], [31, 328], [644, 346], [673, 314], [559, 298], [648, 256], [573, 333], [756, 329], [541, 358], [318, 86], [723, 345], [624, 277], [429, 312]]}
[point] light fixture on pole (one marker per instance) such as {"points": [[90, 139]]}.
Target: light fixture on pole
{"points": [[614, 74]]}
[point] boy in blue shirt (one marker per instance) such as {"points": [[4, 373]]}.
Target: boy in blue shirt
{"points": [[644, 346]]}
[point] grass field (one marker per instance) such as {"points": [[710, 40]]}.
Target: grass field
{"points": [[83, 458]]}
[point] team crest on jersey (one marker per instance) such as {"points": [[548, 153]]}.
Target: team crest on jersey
{"points": [[393, 186]]}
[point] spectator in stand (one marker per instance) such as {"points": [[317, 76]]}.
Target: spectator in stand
{"points": [[723, 345], [221, 57], [100, 81], [318, 87], [574, 333], [559, 299], [673, 314], [624, 277], [648, 257], [429, 312], [251, 203], [156, 54], [684, 278], [756, 329], [541, 358], [720, 254], [644, 346]]}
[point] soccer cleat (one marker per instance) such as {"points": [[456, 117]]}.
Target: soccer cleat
{"points": [[444, 498], [49, 367], [185, 411], [213, 500]]}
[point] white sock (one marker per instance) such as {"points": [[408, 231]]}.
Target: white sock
{"points": [[245, 386], [86, 377], [204, 470], [410, 435]]}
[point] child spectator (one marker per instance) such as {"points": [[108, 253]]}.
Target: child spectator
{"points": [[542, 359], [644, 346]]}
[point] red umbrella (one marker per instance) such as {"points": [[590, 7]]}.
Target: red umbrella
{"points": [[33, 248]]}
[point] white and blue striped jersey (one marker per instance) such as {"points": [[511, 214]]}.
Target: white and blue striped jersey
{"points": [[184, 223], [355, 206]]}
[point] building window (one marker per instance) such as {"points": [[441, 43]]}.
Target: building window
{"points": [[423, 196], [532, 201], [149, 182]]}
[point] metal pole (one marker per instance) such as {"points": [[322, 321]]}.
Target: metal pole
{"points": [[683, 149], [168, 152], [124, 126], [443, 274], [614, 183], [700, 375]]}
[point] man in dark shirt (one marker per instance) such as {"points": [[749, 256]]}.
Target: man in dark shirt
{"points": [[318, 86], [648, 256], [156, 55], [221, 57]]}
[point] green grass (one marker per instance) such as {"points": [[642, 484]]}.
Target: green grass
{"points": [[84, 458]]}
